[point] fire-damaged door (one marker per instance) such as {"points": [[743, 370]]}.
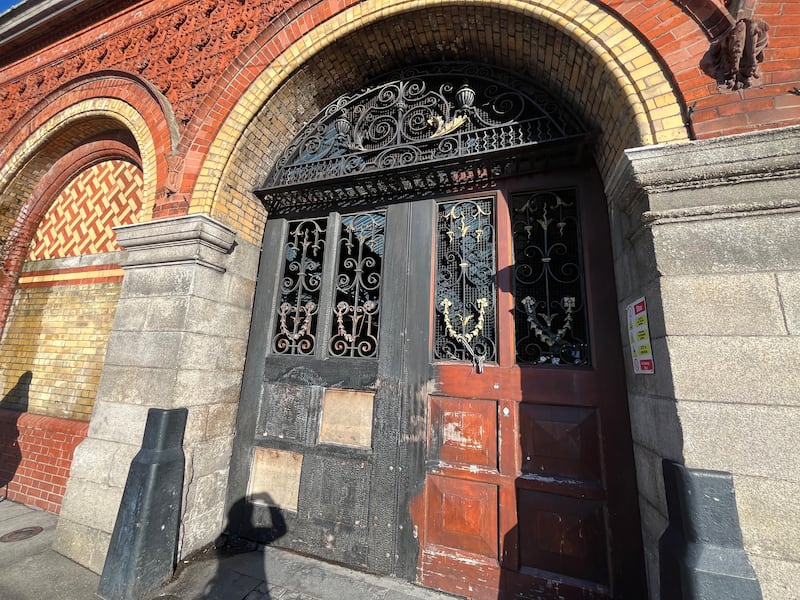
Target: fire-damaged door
{"points": [[434, 386], [331, 427], [437, 393]]}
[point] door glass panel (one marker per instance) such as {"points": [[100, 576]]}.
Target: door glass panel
{"points": [[465, 281], [549, 299]]}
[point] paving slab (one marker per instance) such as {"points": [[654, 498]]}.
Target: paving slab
{"points": [[274, 574], [17, 521], [31, 570], [47, 575]]}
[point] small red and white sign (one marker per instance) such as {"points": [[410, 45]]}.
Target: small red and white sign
{"points": [[639, 335]]}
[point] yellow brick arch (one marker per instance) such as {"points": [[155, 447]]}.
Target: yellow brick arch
{"points": [[650, 99], [81, 117]]}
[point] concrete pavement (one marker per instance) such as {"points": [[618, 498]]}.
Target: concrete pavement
{"points": [[31, 570]]}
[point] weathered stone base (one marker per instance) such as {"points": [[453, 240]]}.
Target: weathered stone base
{"points": [[178, 340], [708, 232]]}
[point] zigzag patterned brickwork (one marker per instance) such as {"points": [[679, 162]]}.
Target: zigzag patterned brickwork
{"points": [[60, 320], [80, 221]]}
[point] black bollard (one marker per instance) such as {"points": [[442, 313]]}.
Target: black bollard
{"points": [[143, 545], [701, 553]]}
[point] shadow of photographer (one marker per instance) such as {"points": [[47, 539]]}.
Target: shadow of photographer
{"points": [[230, 544]]}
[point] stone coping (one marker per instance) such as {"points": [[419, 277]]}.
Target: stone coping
{"points": [[755, 157]]}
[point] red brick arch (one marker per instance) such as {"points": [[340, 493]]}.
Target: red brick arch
{"points": [[697, 21], [679, 33], [97, 88], [44, 194], [45, 141], [281, 47], [235, 79], [138, 92]]}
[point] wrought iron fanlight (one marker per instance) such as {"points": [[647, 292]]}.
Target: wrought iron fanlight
{"points": [[423, 130]]}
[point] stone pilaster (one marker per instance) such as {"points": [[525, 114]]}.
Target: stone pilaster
{"points": [[179, 340], [708, 232]]}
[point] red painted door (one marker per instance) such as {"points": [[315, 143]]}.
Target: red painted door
{"points": [[530, 487]]}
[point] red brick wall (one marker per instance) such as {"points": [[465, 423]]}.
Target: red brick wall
{"points": [[35, 455], [682, 32], [203, 55]]}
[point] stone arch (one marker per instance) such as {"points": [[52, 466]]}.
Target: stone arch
{"points": [[634, 101]]}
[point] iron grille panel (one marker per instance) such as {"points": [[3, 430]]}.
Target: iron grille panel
{"points": [[370, 145], [356, 310], [300, 287], [550, 305], [465, 282]]}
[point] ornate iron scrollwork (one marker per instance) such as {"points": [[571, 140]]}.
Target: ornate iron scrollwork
{"points": [[465, 282], [300, 288], [358, 283], [354, 303], [369, 145], [550, 316]]}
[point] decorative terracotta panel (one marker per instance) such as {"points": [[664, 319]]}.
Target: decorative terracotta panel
{"points": [[462, 515], [560, 441], [464, 431], [80, 220]]}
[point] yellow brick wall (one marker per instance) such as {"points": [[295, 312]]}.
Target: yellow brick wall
{"points": [[59, 333], [61, 316]]}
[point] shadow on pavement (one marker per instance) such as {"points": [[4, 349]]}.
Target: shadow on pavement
{"points": [[223, 585]]}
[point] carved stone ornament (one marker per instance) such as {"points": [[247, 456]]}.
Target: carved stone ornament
{"points": [[734, 59], [174, 172]]}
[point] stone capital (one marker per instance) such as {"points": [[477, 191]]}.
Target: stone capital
{"points": [[730, 170], [192, 239]]}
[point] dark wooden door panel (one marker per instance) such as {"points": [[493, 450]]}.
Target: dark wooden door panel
{"points": [[565, 536], [560, 442]]}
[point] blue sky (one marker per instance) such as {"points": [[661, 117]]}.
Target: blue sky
{"points": [[6, 4]]}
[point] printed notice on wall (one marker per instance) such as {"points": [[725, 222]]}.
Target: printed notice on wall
{"points": [[639, 334]]}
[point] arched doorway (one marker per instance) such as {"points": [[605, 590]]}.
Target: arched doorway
{"points": [[434, 385]]}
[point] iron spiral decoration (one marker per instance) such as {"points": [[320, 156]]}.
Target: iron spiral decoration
{"points": [[434, 116], [465, 282], [550, 308], [300, 288], [357, 304]]}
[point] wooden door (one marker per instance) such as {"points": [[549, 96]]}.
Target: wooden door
{"points": [[455, 418], [330, 430], [530, 489]]}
